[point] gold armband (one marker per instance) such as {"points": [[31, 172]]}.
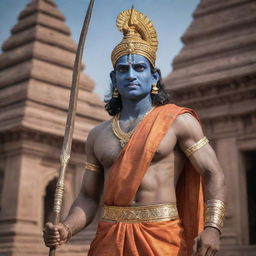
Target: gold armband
{"points": [[93, 167], [189, 151], [215, 214], [68, 229]]}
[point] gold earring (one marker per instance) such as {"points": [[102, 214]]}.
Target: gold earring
{"points": [[115, 93], [155, 89]]}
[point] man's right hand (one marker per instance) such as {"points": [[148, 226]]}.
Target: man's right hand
{"points": [[55, 235]]}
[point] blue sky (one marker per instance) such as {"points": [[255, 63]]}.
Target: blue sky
{"points": [[170, 17]]}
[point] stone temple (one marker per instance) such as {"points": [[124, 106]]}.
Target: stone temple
{"points": [[215, 73], [35, 79]]}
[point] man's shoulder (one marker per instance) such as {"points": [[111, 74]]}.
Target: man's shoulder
{"points": [[101, 126], [96, 131], [186, 123], [185, 118], [180, 113]]}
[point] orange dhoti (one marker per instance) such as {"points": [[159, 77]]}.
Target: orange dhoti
{"points": [[149, 238], [139, 239]]}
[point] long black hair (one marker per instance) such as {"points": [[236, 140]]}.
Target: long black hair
{"points": [[114, 105]]}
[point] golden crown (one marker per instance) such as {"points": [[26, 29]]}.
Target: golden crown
{"points": [[139, 36]]}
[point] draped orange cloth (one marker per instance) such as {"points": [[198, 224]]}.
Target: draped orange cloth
{"points": [[124, 179]]}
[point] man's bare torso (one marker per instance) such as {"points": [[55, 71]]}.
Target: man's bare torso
{"points": [[158, 184]]}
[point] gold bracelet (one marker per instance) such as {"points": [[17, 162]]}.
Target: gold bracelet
{"points": [[215, 214], [68, 229], [93, 167], [190, 150]]}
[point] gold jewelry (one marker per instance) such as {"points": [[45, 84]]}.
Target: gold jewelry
{"points": [[150, 213], [115, 93], [119, 133], [139, 36], [68, 229], [154, 89], [93, 167], [124, 137], [215, 214], [189, 151]]}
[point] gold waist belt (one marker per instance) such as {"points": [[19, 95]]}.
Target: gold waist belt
{"points": [[151, 213]]}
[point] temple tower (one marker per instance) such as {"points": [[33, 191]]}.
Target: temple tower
{"points": [[215, 73], [35, 79]]}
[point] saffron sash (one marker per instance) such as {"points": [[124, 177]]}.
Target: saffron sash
{"points": [[128, 170]]}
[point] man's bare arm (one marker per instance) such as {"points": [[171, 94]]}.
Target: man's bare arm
{"points": [[189, 132], [85, 206]]}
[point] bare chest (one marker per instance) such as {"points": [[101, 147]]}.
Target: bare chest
{"points": [[107, 147]]}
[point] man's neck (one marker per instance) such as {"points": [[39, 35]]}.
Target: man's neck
{"points": [[133, 109]]}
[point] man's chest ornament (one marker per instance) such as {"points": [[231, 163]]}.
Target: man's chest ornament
{"points": [[122, 136]]}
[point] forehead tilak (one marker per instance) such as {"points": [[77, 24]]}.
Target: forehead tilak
{"points": [[131, 59]]}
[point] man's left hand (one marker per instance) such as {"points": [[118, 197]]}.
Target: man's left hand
{"points": [[207, 243]]}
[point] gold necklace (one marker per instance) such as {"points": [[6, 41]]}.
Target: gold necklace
{"points": [[120, 134]]}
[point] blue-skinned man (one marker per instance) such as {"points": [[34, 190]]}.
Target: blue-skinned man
{"points": [[146, 164], [133, 80]]}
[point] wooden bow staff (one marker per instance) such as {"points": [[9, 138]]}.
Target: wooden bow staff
{"points": [[69, 129]]}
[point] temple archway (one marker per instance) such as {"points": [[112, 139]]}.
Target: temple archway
{"points": [[49, 200], [250, 166], [1, 184]]}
